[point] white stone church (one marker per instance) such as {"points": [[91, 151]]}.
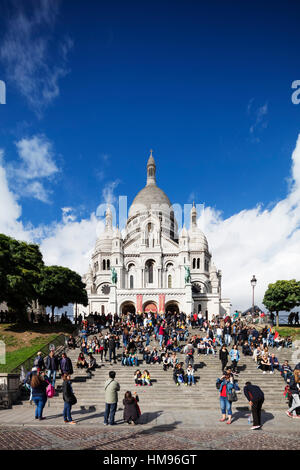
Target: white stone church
{"points": [[152, 267]]}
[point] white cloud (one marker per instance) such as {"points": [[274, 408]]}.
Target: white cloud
{"points": [[37, 164], [37, 158], [264, 242], [260, 120], [70, 243], [108, 192], [25, 52]]}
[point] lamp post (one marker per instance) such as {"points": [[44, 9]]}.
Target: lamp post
{"points": [[253, 284]]}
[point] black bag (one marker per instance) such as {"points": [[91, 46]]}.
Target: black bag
{"points": [[73, 400], [232, 396]]}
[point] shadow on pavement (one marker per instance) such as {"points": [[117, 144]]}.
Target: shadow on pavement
{"points": [[155, 430], [243, 413]]}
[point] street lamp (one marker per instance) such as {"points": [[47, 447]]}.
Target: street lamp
{"points": [[253, 284]]}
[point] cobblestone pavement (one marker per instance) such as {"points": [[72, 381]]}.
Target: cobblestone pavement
{"points": [[153, 438]]}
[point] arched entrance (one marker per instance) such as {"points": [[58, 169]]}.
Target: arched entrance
{"points": [[172, 306], [150, 307], [127, 307]]}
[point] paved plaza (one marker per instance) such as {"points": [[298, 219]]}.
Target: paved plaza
{"points": [[180, 430]]}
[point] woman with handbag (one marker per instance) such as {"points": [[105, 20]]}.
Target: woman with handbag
{"points": [[39, 396], [69, 399], [226, 389]]}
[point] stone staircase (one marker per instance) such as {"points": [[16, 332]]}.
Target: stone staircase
{"points": [[164, 395]]}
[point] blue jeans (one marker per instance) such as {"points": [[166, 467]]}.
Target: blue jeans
{"points": [[225, 405], [161, 338], [110, 411], [227, 339], [39, 403], [67, 411], [53, 373], [191, 378]]}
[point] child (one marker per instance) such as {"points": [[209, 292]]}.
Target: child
{"points": [[138, 378], [146, 378], [190, 375]]}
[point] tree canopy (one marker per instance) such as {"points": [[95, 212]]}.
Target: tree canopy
{"points": [[24, 278], [282, 296], [60, 286], [20, 268]]}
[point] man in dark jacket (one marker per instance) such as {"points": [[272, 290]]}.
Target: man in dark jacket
{"points": [[112, 349], [256, 397], [52, 366], [66, 365]]}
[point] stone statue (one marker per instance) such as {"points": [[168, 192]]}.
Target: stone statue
{"points": [[114, 276], [187, 274]]}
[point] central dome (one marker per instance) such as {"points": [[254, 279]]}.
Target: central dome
{"points": [[151, 195], [147, 197]]}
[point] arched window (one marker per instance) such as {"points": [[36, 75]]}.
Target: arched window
{"points": [[194, 263], [131, 282], [108, 264], [198, 263], [104, 265], [170, 281], [149, 269], [102, 309]]}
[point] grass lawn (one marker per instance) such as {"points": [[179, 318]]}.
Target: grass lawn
{"points": [[16, 357], [21, 342], [288, 331]]}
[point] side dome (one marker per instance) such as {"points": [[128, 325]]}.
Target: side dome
{"points": [[197, 239]]}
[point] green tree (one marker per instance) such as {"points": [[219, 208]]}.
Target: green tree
{"points": [[20, 268], [60, 286], [282, 296]]}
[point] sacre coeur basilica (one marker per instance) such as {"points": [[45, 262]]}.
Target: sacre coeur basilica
{"points": [[151, 267]]}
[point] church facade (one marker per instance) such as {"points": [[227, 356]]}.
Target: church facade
{"points": [[152, 267]]}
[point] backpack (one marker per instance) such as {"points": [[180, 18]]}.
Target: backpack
{"points": [[50, 391]]}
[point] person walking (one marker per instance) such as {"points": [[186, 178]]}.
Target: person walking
{"points": [[52, 366], [294, 385], [111, 388], [69, 399], [38, 390], [66, 366], [131, 408], [223, 356], [188, 350], [235, 357], [227, 333], [256, 397], [112, 349]]}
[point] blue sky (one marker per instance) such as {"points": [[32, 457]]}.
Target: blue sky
{"points": [[96, 85]]}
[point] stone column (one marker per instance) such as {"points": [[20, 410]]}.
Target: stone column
{"points": [[113, 299], [189, 306]]}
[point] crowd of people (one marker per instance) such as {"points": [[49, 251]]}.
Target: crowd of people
{"points": [[161, 339]]}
